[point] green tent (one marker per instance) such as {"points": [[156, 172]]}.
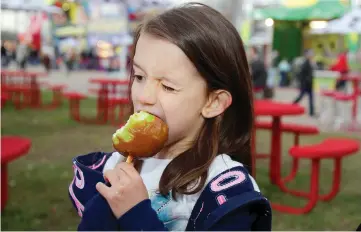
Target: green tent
{"points": [[321, 10]]}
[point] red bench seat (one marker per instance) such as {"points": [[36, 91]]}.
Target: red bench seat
{"points": [[332, 148], [12, 147]]}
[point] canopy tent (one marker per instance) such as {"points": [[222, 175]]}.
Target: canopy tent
{"points": [[319, 10], [29, 5], [349, 23]]}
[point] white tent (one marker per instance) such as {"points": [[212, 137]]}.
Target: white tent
{"points": [[349, 23], [29, 5]]}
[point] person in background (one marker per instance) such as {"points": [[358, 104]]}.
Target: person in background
{"points": [[70, 59], [3, 49], [22, 54], [284, 68], [5, 59], [258, 72], [47, 57], [306, 81], [93, 61], [341, 66], [83, 59], [272, 69], [33, 58], [295, 69]]}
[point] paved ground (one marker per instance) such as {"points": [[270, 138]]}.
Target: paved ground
{"points": [[78, 81]]}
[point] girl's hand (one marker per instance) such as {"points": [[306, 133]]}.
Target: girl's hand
{"points": [[126, 191]]}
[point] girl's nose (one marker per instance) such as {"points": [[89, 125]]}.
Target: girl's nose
{"points": [[149, 93]]}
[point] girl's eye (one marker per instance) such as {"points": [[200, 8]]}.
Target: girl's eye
{"points": [[167, 88], [138, 77]]}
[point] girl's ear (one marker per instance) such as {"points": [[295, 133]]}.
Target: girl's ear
{"points": [[218, 101]]}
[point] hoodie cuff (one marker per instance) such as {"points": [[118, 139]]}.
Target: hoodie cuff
{"points": [[141, 217]]}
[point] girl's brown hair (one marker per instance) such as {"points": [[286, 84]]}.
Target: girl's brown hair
{"points": [[215, 48]]}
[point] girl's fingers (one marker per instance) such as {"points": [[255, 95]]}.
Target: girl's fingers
{"points": [[111, 194], [103, 190], [112, 177], [127, 169]]}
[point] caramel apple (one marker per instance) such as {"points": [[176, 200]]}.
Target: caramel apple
{"points": [[144, 135]]}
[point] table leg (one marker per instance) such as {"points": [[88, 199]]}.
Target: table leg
{"points": [[112, 106], [16, 98], [99, 105], [4, 185], [75, 109], [106, 106], [57, 93], [102, 114], [35, 93], [275, 161]]}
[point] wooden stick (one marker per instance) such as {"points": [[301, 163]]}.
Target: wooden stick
{"points": [[129, 159]]}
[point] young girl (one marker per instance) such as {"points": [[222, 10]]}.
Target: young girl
{"points": [[190, 69]]}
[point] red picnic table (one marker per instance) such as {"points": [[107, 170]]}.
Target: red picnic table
{"points": [[109, 95], [12, 147], [21, 83], [276, 110]]}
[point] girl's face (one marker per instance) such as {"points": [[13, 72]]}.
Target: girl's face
{"points": [[167, 84]]}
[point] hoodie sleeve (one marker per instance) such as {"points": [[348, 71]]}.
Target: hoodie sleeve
{"points": [[93, 209], [141, 217], [88, 171], [98, 216]]}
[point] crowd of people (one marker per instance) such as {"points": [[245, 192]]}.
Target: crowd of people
{"points": [[22, 54]]}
